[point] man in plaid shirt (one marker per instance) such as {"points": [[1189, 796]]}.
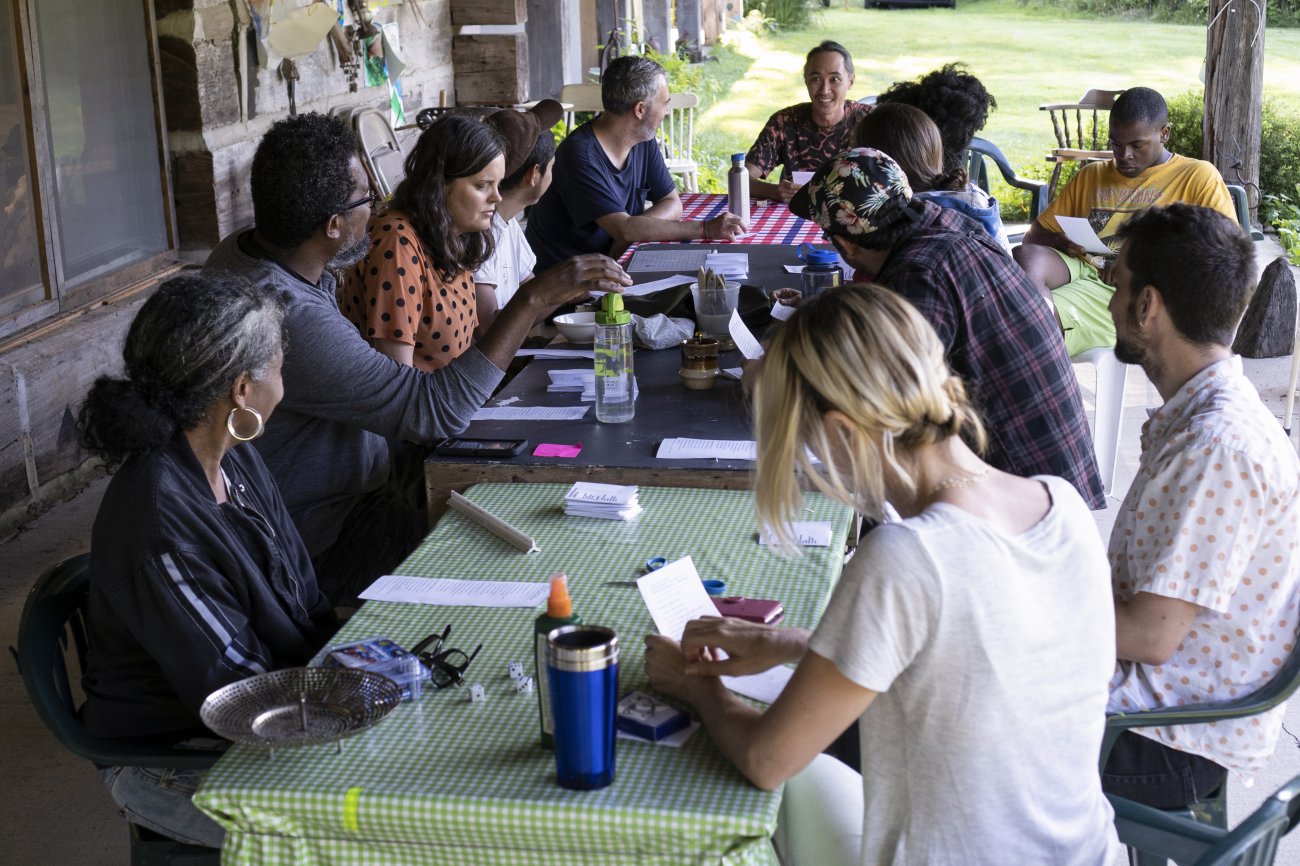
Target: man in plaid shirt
{"points": [[997, 329]]}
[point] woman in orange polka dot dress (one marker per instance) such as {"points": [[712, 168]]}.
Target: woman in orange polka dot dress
{"points": [[412, 296]]}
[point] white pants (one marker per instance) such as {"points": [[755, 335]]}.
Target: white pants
{"points": [[820, 823]]}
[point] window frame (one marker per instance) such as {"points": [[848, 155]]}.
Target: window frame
{"points": [[56, 297]]}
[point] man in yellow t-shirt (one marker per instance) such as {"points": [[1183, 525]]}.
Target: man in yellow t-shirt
{"points": [[1143, 173]]}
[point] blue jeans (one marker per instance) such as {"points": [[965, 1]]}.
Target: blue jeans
{"points": [[159, 799], [1146, 771]]}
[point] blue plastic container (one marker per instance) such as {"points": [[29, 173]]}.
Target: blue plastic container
{"points": [[582, 671]]}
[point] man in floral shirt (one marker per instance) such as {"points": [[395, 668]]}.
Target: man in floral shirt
{"points": [[803, 136], [1203, 554], [997, 330]]}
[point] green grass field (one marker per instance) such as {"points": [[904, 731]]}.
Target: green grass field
{"points": [[1025, 56]]}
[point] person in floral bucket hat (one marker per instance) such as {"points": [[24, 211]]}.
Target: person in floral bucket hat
{"points": [[998, 332]]}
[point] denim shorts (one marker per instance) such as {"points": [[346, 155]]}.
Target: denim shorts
{"points": [[1145, 771]]}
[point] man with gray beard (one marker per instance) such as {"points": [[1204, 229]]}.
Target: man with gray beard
{"points": [[327, 445]]}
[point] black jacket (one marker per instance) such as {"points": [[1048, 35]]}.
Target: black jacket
{"points": [[187, 595]]}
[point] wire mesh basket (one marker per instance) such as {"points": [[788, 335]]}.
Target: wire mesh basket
{"points": [[300, 706]]}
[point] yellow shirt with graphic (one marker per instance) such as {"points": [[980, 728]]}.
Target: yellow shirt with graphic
{"points": [[1107, 198]]}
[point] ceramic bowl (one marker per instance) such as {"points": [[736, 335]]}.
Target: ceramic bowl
{"points": [[577, 327]]}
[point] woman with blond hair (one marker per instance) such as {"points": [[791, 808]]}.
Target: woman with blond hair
{"points": [[972, 639]]}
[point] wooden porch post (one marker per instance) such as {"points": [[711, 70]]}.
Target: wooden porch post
{"points": [[658, 15], [1234, 91]]}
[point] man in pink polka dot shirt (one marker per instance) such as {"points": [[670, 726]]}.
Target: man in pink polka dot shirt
{"points": [[1203, 554]]}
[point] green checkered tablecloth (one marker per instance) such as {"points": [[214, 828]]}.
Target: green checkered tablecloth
{"points": [[443, 781]]}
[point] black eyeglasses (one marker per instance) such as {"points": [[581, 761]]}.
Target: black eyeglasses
{"points": [[370, 199], [446, 666]]}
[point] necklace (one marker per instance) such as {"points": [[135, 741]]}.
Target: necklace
{"points": [[966, 480]]}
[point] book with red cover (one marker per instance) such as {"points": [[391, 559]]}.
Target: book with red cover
{"points": [[753, 609]]}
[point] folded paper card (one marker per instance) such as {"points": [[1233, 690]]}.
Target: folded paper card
{"points": [[810, 533], [530, 413]]}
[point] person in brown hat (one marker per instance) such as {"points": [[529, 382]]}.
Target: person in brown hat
{"points": [[998, 332], [529, 153]]}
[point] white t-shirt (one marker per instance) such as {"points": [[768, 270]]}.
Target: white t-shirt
{"points": [[513, 260], [991, 654]]}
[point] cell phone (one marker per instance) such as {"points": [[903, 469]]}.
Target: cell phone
{"points": [[490, 448]]}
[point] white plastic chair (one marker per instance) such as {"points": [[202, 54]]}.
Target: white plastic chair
{"points": [[583, 97], [1109, 411], [677, 139]]}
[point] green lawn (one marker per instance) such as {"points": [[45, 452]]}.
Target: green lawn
{"points": [[1024, 56]]}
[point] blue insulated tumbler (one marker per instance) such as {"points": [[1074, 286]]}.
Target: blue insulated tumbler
{"points": [[582, 673]]}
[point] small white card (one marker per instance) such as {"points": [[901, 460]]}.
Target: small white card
{"points": [[781, 311], [1080, 231], [793, 269], [811, 533], [654, 286], [737, 373], [745, 340], [801, 177], [606, 494]]}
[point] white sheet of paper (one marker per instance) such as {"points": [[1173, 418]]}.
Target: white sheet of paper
{"points": [[746, 342], [781, 311], [811, 533], [801, 177], [653, 286], [707, 449], [556, 354], [530, 413], [1079, 230], [793, 269], [457, 593], [666, 260], [737, 373], [674, 596]]}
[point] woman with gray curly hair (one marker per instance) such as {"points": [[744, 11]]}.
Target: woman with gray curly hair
{"points": [[198, 576]]}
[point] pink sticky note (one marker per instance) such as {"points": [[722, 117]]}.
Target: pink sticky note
{"points": [[551, 449]]}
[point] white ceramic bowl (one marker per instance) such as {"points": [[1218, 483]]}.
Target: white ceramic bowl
{"points": [[577, 327]]}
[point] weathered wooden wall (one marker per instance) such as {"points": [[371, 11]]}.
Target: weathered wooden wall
{"points": [[212, 140]]}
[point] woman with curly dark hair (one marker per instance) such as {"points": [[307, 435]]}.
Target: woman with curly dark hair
{"points": [[198, 576], [955, 100], [412, 296]]}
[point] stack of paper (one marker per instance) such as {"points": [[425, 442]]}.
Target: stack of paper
{"points": [[608, 501], [731, 266], [580, 381]]}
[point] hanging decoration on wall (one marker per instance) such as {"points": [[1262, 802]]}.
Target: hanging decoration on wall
{"points": [[379, 48]]}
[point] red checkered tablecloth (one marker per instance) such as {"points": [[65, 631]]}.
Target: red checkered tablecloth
{"points": [[769, 222]]}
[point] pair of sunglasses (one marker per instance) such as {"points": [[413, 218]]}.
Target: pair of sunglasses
{"points": [[446, 666]]}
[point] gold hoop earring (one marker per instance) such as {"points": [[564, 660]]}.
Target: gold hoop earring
{"points": [[230, 423]]}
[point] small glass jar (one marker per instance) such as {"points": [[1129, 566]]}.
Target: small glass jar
{"points": [[699, 369]]}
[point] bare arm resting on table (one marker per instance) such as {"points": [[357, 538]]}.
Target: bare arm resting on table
{"points": [[662, 222], [768, 748]]}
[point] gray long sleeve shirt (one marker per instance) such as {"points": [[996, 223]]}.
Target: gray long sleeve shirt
{"points": [[326, 443]]}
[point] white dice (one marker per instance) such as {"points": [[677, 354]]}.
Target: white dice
{"points": [[523, 685], [476, 693], [515, 670]]}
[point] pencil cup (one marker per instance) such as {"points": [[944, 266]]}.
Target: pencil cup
{"points": [[582, 675]]}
